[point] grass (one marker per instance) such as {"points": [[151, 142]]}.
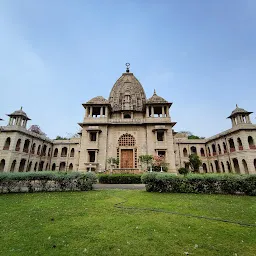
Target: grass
{"points": [[87, 223]]}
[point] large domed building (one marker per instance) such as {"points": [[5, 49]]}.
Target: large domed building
{"points": [[117, 130]]}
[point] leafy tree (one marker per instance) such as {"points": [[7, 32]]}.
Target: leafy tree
{"points": [[183, 171], [61, 138], [194, 162], [146, 160], [113, 161]]}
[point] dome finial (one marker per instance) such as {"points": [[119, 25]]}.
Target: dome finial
{"points": [[21, 108], [154, 91], [236, 106], [127, 67]]}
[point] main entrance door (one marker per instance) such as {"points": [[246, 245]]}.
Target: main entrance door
{"points": [[127, 158]]}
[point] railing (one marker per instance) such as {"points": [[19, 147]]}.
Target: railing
{"points": [[17, 148], [203, 155], [232, 149], [214, 153], [6, 148], [25, 150], [240, 147], [63, 155], [252, 146], [225, 151]]}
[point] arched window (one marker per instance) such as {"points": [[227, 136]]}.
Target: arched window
{"points": [[26, 146], [55, 152], [7, 144], [217, 166], [185, 152], [223, 167], [236, 165], [64, 152], [209, 151], [126, 140], [39, 149], [202, 152], [22, 165], [251, 143], [225, 147], [33, 148], [17, 148], [245, 167], [205, 167], [240, 145], [72, 152], [29, 166], [35, 167], [2, 165], [44, 150], [213, 150], [13, 166], [193, 150], [49, 152], [127, 116], [219, 149], [62, 166], [53, 167], [70, 168], [229, 167], [231, 145]]}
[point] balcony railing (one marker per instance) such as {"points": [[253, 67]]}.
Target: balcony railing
{"points": [[214, 153], [252, 146], [240, 147], [225, 151], [17, 148], [6, 148], [203, 155], [63, 155], [25, 150], [232, 149]]}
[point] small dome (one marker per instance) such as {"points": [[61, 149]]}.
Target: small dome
{"points": [[238, 110], [19, 113], [127, 94], [156, 99], [97, 100]]}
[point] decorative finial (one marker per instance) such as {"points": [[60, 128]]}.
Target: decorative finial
{"points": [[127, 67], [236, 106], [154, 91], [21, 108]]}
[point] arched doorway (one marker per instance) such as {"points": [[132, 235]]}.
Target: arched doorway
{"points": [[70, 168], [22, 165], [128, 152], [245, 167], [13, 166], [205, 167], [236, 165], [62, 166], [54, 167], [2, 165], [185, 152]]}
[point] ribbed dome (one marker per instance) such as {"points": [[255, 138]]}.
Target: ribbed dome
{"points": [[97, 100], [127, 94], [156, 99]]}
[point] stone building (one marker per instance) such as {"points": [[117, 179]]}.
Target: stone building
{"points": [[125, 126]]}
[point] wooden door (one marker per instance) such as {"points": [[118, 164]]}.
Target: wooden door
{"points": [[127, 158]]}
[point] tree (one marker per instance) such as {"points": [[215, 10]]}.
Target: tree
{"points": [[191, 136], [61, 138], [146, 160], [183, 171], [194, 162]]}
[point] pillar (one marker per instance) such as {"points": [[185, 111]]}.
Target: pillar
{"points": [[147, 111], [247, 118], [106, 111], [167, 111], [152, 111], [101, 111], [163, 112]]}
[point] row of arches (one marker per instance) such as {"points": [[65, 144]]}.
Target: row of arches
{"points": [[36, 166], [64, 152], [40, 150], [193, 151]]}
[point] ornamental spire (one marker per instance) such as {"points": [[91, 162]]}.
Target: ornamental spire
{"points": [[127, 67]]}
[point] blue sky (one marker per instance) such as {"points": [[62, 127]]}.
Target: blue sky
{"points": [[56, 55]]}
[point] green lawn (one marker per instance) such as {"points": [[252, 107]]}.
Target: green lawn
{"points": [[87, 223]]}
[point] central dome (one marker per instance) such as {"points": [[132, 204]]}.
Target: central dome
{"points": [[127, 94]]}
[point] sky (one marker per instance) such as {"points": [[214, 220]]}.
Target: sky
{"points": [[56, 55]]}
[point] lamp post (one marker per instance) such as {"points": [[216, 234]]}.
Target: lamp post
{"points": [[90, 168], [161, 168]]}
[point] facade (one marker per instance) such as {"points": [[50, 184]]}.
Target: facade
{"points": [[125, 126]]}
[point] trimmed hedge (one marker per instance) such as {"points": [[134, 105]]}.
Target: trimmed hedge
{"points": [[200, 183], [119, 178], [46, 181]]}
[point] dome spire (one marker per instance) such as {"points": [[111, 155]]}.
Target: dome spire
{"points": [[127, 67]]}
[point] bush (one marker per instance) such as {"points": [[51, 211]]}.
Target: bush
{"points": [[199, 183], [46, 181], [183, 171], [119, 178]]}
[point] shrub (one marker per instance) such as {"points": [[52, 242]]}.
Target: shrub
{"points": [[46, 181], [198, 183], [119, 178], [183, 171]]}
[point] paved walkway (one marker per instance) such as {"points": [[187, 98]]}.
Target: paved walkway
{"points": [[119, 186]]}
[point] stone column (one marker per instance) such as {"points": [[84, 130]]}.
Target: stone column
{"points": [[233, 121], [152, 111], [101, 111], [10, 121], [247, 118], [106, 111], [90, 112], [167, 111], [147, 111], [163, 114]]}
